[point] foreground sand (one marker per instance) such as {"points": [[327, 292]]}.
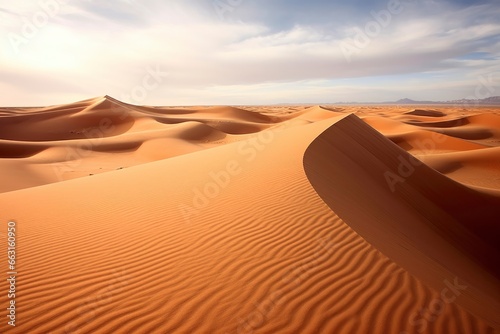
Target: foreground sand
{"points": [[224, 220]]}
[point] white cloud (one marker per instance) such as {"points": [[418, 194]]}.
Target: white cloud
{"points": [[88, 49]]}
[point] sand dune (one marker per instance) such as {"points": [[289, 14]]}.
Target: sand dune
{"points": [[479, 168], [426, 113], [134, 134], [414, 207], [218, 223]]}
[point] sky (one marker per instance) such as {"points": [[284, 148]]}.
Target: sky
{"points": [[248, 52]]}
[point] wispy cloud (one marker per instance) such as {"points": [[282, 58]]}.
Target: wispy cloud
{"points": [[259, 52]]}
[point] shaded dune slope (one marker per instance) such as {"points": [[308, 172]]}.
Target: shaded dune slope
{"points": [[413, 214], [425, 113]]}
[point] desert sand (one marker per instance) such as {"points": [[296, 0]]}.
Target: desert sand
{"points": [[277, 219]]}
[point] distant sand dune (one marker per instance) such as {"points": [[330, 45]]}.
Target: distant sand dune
{"points": [[475, 167], [106, 125], [426, 113], [442, 124]]}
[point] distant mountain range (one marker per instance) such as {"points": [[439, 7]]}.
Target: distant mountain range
{"points": [[494, 100]]}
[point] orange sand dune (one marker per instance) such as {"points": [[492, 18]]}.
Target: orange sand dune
{"points": [[410, 212], [212, 220], [59, 143], [418, 141], [480, 168], [425, 113]]}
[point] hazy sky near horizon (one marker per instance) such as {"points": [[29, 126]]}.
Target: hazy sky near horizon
{"points": [[194, 52]]}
